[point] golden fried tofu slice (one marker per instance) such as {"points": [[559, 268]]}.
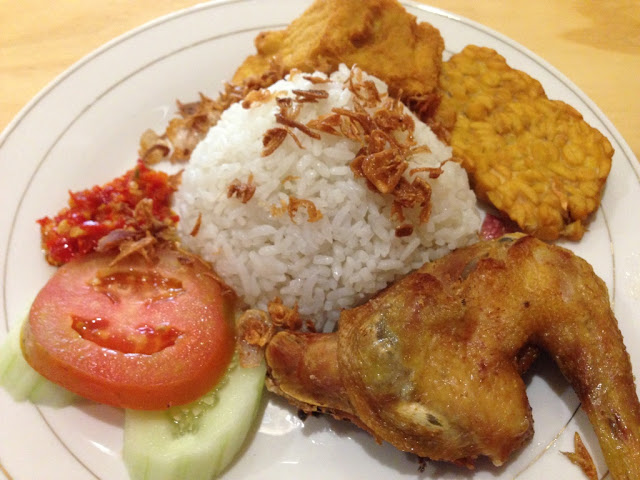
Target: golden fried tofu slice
{"points": [[377, 35], [535, 159]]}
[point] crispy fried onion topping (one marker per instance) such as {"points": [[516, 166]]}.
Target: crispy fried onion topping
{"points": [[256, 97], [153, 147], [316, 79], [145, 246], [313, 213], [293, 205], [380, 124], [240, 190], [151, 233], [385, 131], [255, 328], [310, 96], [582, 458], [196, 118], [286, 116], [283, 316], [273, 138], [196, 227], [187, 129], [287, 121]]}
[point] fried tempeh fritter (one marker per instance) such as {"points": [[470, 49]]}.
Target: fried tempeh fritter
{"points": [[535, 159]]}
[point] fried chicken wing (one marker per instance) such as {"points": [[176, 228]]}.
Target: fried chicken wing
{"points": [[424, 364], [535, 159], [377, 35]]}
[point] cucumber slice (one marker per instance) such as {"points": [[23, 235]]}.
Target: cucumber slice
{"points": [[23, 382], [196, 441]]}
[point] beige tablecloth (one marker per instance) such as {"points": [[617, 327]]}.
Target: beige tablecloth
{"points": [[595, 44]]}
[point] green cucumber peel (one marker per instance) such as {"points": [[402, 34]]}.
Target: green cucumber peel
{"points": [[197, 441]]}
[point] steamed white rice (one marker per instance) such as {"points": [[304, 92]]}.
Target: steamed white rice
{"points": [[324, 266]]}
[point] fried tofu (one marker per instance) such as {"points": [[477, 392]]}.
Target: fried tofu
{"points": [[377, 35], [535, 159]]}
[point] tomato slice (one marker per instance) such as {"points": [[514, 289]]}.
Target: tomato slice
{"points": [[140, 334]]}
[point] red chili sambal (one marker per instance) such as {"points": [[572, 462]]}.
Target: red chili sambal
{"points": [[95, 212]]}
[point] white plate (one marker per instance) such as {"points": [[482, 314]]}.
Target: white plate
{"points": [[83, 130]]}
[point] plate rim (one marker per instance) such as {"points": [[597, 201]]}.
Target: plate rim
{"points": [[15, 123]]}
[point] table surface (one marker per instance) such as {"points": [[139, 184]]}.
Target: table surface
{"points": [[595, 44]]}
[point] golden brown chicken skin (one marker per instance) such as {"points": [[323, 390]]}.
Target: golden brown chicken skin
{"points": [[424, 364]]}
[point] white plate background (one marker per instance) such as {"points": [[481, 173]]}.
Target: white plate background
{"points": [[83, 129]]}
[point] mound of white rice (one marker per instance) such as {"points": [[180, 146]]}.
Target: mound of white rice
{"points": [[326, 265]]}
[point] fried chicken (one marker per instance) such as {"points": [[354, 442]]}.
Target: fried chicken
{"points": [[536, 160], [425, 363], [378, 36]]}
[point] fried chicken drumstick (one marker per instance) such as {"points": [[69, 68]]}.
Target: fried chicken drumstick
{"points": [[425, 363]]}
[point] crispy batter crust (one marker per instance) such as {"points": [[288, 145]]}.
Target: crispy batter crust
{"points": [[534, 159], [377, 35]]}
